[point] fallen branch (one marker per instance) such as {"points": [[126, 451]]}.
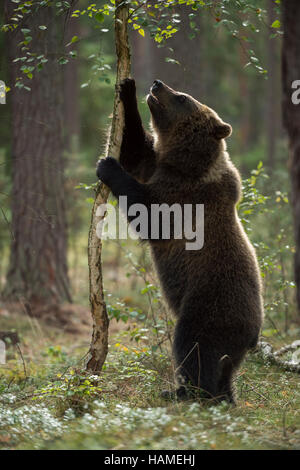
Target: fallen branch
{"points": [[288, 347], [266, 352]]}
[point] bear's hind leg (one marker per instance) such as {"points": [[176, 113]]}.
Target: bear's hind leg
{"points": [[197, 369], [187, 364], [201, 371], [225, 386]]}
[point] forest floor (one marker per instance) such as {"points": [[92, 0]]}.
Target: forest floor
{"points": [[48, 401]]}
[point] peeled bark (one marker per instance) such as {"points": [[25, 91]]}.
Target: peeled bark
{"points": [[291, 113], [99, 344]]}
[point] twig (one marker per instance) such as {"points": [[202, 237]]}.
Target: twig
{"points": [[24, 366]]}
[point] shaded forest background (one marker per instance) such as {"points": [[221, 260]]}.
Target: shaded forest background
{"points": [[53, 128], [201, 59], [55, 124]]}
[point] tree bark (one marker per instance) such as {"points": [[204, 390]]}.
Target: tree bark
{"points": [[291, 114], [99, 344], [38, 267], [272, 111]]}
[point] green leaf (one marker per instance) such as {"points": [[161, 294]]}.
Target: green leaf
{"points": [[90, 200], [63, 61], [99, 17], [269, 332], [276, 24], [172, 61]]}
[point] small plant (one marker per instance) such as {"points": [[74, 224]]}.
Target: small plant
{"points": [[262, 217], [55, 353]]}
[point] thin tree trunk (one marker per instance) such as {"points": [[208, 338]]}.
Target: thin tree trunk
{"points": [[99, 344], [245, 95], [189, 75], [38, 268], [291, 113], [71, 86], [142, 60], [272, 110]]}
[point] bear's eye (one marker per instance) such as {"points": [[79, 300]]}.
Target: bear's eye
{"points": [[181, 98]]}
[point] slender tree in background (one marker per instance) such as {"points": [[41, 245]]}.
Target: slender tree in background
{"points": [[142, 60], [188, 74], [38, 268], [291, 112], [71, 114], [245, 121], [179, 62], [272, 113]]}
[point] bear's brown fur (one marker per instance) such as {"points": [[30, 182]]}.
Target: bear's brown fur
{"points": [[214, 292]]}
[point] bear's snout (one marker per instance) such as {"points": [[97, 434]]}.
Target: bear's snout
{"points": [[157, 84]]}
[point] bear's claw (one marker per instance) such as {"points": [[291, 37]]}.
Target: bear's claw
{"points": [[106, 168], [127, 89]]}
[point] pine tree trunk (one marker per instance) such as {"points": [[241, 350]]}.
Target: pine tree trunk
{"points": [[291, 113], [38, 267], [99, 343]]}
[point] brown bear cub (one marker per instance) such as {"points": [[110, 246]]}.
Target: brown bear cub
{"points": [[215, 291]]}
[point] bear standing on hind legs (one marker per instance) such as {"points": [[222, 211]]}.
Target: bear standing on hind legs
{"points": [[214, 292]]}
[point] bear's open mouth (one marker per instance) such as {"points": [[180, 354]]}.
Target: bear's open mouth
{"points": [[153, 99]]}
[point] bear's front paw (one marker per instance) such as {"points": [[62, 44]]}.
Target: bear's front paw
{"points": [[106, 169], [127, 89]]}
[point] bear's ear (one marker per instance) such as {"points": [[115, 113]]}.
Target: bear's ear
{"points": [[222, 130]]}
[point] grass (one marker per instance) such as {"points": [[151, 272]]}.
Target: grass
{"points": [[48, 401]]}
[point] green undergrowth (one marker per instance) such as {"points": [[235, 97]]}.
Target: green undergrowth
{"points": [[49, 401], [55, 404]]}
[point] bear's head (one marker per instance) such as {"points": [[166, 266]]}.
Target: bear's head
{"points": [[186, 131]]}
